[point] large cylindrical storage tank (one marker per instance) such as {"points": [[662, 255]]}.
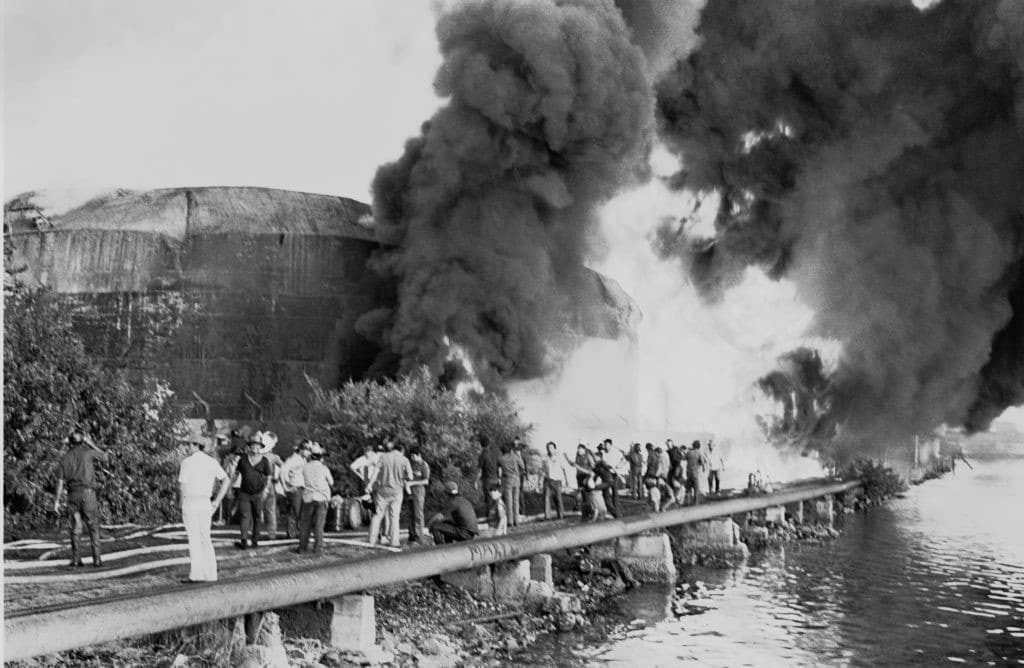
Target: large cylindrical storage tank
{"points": [[219, 290]]}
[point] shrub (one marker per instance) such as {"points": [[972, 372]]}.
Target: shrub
{"points": [[414, 410], [50, 388], [878, 482]]}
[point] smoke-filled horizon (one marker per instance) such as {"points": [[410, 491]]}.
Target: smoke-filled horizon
{"points": [[490, 211], [869, 153], [873, 154]]}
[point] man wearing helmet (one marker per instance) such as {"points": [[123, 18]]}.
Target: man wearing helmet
{"points": [[77, 471]]}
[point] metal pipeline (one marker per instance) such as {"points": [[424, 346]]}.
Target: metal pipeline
{"points": [[33, 633]]}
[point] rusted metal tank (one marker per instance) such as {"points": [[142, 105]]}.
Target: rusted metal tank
{"points": [[229, 290]]}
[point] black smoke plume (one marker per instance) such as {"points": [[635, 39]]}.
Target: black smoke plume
{"points": [[490, 210], [873, 153]]}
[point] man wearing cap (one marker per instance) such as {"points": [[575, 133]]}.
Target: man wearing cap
{"points": [[77, 470], [200, 477], [255, 476], [268, 512], [316, 493], [292, 481], [457, 522]]}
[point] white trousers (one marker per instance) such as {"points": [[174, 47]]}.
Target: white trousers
{"points": [[195, 515]]}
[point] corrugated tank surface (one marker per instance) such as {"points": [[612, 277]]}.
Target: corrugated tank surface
{"points": [[229, 290], [220, 290]]}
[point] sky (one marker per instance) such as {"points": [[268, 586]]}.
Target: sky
{"points": [[309, 95]]}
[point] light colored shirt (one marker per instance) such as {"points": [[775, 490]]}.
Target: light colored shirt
{"points": [[717, 463], [614, 458], [197, 476], [554, 468], [393, 472], [365, 466], [664, 464], [316, 482], [291, 472]]}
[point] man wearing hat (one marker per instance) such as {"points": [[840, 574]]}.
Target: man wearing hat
{"points": [[268, 514], [291, 479], [77, 470], [316, 493], [199, 478], [457, 522], [255, 476]]}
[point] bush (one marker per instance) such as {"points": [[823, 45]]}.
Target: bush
{"points": [[414, 410], [50, 388], [878, 482]]}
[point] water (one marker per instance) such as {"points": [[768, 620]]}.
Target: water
{"points": [[936, 578]]}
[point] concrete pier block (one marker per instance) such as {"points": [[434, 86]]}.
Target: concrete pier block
{"points": [[795, 511], [510, 580], [477, 581], [603, 551], [354, 623], [713, 542], [264, 646], [538, 594], [821, 511], [648, 557], [540, 568]]}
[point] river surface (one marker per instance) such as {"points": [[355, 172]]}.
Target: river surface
{"points": [[936, 578]]}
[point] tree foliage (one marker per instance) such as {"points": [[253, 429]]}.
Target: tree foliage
{"points": [[52, 387], [415, 410], [878, 482]]}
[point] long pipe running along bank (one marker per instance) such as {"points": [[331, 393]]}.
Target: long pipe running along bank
{"points": [[31, 633]]}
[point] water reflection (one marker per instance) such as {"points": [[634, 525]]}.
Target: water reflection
{"points": [[936, 578]]}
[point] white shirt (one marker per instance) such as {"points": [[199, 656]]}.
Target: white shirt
{"points": [[291, 472], [197, 476], [616, 460], [366, 466]]}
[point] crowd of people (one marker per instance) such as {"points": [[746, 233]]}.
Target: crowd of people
{"points": [[254, 483]]}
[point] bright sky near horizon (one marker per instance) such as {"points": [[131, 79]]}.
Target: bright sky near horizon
{"points": [[310, 95]]}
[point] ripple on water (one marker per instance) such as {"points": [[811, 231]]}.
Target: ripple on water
{"points": [[936, 578]]}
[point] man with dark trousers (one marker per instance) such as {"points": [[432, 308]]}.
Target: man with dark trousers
{"points": [[457, 522], [256, 475], [77, 471]]}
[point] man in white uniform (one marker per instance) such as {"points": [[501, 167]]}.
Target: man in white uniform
{"points": [[198, 477]]}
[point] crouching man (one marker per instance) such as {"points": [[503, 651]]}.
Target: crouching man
{"points": [[198, 477], [457, 522]]}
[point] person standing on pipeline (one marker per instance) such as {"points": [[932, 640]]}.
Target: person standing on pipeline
{"points": [[199, 476], [636, 471], [556, 478], [490, 468], [715, 467], [417, 491], [255, 476], [387, 487], [696, 465], [291, 479], [78, 472], [512, 471], [316, 494]]}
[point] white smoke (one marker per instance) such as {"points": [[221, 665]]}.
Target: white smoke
{"points": [[696, 364]]}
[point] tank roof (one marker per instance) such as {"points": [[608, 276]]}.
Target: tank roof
{"points": [[180, 213]]}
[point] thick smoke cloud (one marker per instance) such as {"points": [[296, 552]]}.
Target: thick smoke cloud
{"points": [[490, 211], [874, 154]]}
